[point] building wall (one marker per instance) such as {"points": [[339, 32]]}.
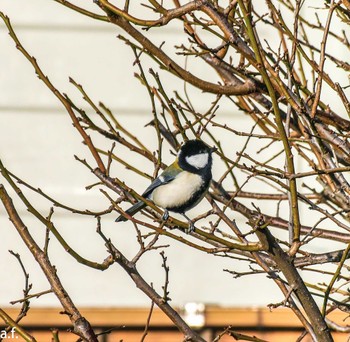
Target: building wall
{"points": [[38, 144]]}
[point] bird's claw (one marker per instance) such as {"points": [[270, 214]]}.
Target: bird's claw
{"points": [[165, 215], [191, 228]]}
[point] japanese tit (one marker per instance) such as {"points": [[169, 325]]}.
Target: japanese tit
{"points": [[183, 184]]}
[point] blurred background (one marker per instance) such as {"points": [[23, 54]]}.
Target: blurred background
{"points": [[38, 144]]}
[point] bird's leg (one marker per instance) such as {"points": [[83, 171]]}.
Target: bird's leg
{"points": [[165, 215], [191, 226]]}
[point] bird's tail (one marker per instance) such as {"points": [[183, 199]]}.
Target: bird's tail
{"points": [[131, 211]]}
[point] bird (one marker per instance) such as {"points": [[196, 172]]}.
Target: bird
{"points": [[182, 185]]}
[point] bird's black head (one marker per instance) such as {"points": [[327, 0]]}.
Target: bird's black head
{"points": [[195, 156]]}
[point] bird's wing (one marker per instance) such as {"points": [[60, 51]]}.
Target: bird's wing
{"points": [[167, 176]]}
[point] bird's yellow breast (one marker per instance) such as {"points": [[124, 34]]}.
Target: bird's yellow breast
{"points": [[178, 191]]}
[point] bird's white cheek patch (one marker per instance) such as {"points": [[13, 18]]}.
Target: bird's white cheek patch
{"points": [[198, 160], [178, 191]]}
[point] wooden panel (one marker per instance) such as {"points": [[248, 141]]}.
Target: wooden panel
{"points": [[214, 316], [159, 336], [172, 336], [278, 325]]}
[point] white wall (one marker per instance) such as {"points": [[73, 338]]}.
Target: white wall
{"points": [[38, 143]]}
